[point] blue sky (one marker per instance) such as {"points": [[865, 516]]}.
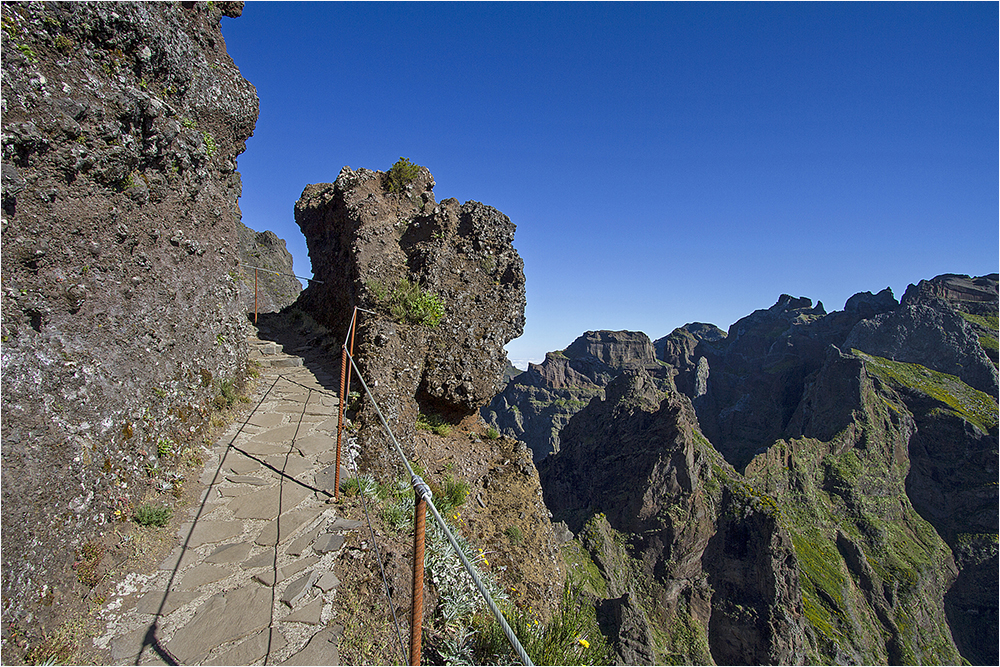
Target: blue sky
{"points": [[664, 162]]}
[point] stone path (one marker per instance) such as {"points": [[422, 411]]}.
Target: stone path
{"points": [[252, 577]]}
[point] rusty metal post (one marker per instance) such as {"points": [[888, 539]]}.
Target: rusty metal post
{"points": [[354, 320], [417, 614], [345, 389], [255, 296]]}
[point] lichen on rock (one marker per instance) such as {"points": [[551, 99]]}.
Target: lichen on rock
{"points": [[121, 127]]}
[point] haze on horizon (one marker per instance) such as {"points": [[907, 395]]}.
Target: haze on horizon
{"points": [[664, 162]]}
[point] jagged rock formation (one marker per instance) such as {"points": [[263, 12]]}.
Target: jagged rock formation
{"points": [[677, 349], [121, 316], [537, 404], [880, 474], [443, 280], [758, 372], [265, 250], [692, 564], [510, 372]]}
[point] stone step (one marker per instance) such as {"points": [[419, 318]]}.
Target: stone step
{"points": [[264, 347], [280, 361]]}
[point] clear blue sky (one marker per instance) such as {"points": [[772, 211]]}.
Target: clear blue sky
{"points": [[664, 162]]}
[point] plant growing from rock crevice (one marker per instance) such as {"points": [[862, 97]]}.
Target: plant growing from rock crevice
{"points": [[401, 174]]}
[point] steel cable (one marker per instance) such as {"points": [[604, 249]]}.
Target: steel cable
{"points": [[425, 492]]}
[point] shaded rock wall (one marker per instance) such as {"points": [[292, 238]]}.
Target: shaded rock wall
{"points": [[677, 349], [121, 127], [364, 240], [265, 250]]}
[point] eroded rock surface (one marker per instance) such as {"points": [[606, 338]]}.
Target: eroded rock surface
{"points": [[121, 127], [694, 565], [536, 405], [365, 241], [276, 287]]}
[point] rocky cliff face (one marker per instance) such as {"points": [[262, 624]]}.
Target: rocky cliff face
{"points": [[871, 484], [269, 290], [536, 405], [692, 564], [121, 317], [443, 282], [677, 349]]}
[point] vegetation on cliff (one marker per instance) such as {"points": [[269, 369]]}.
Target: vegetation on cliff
{"points": [[856, 524]]}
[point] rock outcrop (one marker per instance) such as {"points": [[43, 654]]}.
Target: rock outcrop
{"points": [[271, 289], [537, 404], [677, 349], [442, 280], [121, 310]]}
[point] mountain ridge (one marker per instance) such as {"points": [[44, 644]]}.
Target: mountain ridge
{"points": [[818, 438]]}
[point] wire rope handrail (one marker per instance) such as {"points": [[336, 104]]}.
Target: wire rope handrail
{"points": [[280, 273], [423, 493]]}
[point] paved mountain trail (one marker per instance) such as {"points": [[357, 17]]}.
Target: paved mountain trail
{"points": [[252, 574]]}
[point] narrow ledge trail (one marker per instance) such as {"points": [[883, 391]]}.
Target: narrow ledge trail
{"points": [[252, 574]]}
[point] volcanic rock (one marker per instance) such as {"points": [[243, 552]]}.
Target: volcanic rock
{"points": [[276, 287], [537, 404], [121, 310], [443, 280]]}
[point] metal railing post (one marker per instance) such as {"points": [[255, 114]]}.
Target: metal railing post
{"points": [[345, 389], [417, 612]]}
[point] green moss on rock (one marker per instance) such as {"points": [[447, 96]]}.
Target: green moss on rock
{"points": [[971, 404]]}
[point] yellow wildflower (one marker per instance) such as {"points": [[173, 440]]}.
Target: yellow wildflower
{"points": [[583, 642]]}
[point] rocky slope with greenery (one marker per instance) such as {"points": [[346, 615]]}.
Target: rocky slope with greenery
{"points": [[122, 324], [845, 511], [441, 282]]}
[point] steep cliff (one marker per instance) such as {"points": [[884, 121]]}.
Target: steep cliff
{"points": [[872, 481], [271, 289], [536, 405], [121, 316], [677, 349], [692, 564]]}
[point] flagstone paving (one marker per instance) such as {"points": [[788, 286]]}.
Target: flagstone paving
{"points": [[252, 577]]}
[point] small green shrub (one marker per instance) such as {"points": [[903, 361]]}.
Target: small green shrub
{"points": [[152, 515], [409, 303], [514, 534], [492, 433], [451, 494], [227, 394], [64, 43], [209, 143], [378, 290], [401, 174], [164, 447], [572, 637], [87, 572], [434, 423], [28, 52]]}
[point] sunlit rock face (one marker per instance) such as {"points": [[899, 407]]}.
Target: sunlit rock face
{"points": [[121, 127], [442, 280]]}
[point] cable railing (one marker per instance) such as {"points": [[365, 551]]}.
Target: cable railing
{"points": [[423, 501], [256, 269]]}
